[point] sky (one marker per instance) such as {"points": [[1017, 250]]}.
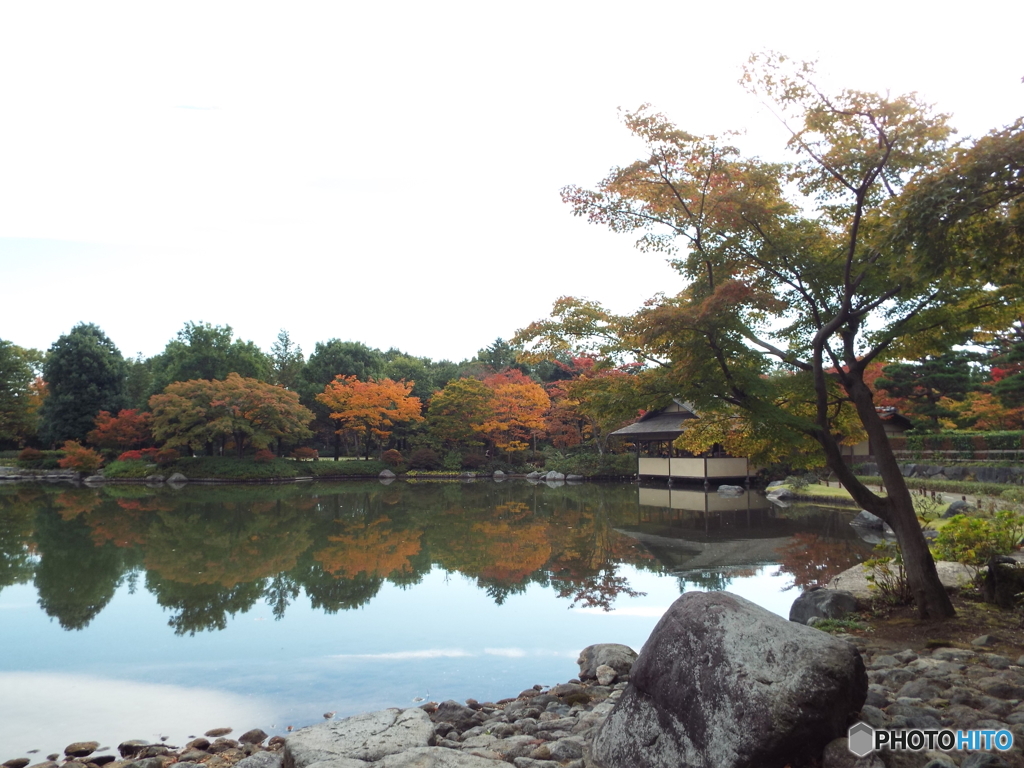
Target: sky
{"points": [[389, 172]]}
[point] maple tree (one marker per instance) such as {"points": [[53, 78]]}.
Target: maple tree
{"points": [[128, 430], [80, 458], [457, 414], [249, 412], [518, 406], [882, 241], [371, 408]]}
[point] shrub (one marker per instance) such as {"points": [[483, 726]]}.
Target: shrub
{"points": [[885, 573], [80, 458], [130, 456], [30, 455], [427, 458], [452, 461], [263, 456], [149, 453], [306, 454], [474, 460], [165, 456], [977, 542], [1013, 494], [125, 469], [391, 457]]}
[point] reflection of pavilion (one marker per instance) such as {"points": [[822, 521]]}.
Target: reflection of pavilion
{"points": [[653, 436], [693, 532]]}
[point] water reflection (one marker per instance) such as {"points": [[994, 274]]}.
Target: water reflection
{"points": [[210, 553]]}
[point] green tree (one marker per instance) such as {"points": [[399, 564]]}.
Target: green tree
{"points": [[204, 351], [813, 270], [17, 407], [287, 361], [85, 374], [931, 384]]}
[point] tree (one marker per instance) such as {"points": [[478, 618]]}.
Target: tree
{"points": [[931, 386], [881, 254], [518, 405], [371, 407], [204, 351], [85, 374], [457, 414], [128, 430], [18, 404], [287, 361], [246, 411]]}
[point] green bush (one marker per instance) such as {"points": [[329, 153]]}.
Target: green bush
{"points": [[128, 469], [322, 468], [1013, 494], [232, 468], [976, 541], [30, 458], [592, 464]]}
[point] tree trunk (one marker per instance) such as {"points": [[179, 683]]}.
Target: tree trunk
{"points": [[896, 508], [337, 446]]}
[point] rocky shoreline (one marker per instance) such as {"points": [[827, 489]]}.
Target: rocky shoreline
{"points": [[958, 688]]}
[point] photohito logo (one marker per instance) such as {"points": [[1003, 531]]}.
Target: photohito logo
{"points": [[863, 739]]}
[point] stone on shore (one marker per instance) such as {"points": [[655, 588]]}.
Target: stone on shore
{"points": [[618, 657], [854, 580], [368, 737], [723, 683], [81, 748], [823, 603]]}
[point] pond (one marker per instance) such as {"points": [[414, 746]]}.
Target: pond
{"points": [[134, 612]]}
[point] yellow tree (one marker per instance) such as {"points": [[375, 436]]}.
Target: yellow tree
{"points": [[371, 408], [457, 413]]}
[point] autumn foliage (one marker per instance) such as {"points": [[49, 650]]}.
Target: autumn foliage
{"points": [[80, 458], [128, 430], [370, 408]]}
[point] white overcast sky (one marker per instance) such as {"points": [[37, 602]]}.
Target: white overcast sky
{"points": [[390, 172]]}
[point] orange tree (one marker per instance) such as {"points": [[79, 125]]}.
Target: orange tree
{"points": [[518, 407], [129, 429], [248, 411], [370, 408]]}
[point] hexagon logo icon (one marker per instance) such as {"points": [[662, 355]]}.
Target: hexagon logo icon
{"points": [[861, 739]]}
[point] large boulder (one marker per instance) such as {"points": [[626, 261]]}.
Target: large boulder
{"points": [[615, 655], [826, 603], [958, 507], [723, 683], [368, 737]]}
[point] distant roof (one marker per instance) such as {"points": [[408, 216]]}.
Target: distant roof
{"points": [[658, 425], [891, 414]]}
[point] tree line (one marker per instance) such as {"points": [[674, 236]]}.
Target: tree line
{"points": [[213, 394]]}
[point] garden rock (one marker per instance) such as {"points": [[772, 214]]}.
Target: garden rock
{"points": [[716, 659], [867, 520], [386, 473], [824, 603], [367, 737], [177, 479], [618, 657], [552, 475], [730, 490], [958, 507]]}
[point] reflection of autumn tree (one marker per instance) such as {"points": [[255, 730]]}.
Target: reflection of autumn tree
{"points": [[74, 502], [812, 559], [202, 607], [74, 578], [374, 548], [17, 513], [225, 546]]}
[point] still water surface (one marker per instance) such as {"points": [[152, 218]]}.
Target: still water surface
{"points": [[129, 612]]}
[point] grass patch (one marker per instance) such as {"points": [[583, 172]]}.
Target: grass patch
{"points": [[231, 468], [841, 625], [129, 469], [328, 468]]}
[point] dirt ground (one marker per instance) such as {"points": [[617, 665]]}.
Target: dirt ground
{"points": [[899, 627]]}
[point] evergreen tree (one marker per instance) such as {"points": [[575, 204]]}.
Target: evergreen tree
{"points": [[85, 374]]}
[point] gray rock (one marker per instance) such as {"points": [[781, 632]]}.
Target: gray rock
{"points": [[985, 641], [177, 479], [606, 674], [366, 737], [133, 747], [460, 716], [154, 479], [775, 483], [94, 480], [552, 475], [958, 507], [618, 657], [386, 473], [781, 493], [261, 760], [255, 736], [433, 757], [923, 688], [716, 659], [867, 520], [498, 475], [826, 603], [983, 760], [838, 755], [730, 490]]}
